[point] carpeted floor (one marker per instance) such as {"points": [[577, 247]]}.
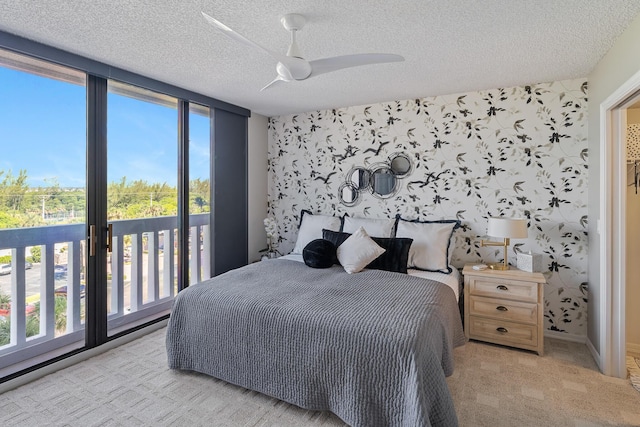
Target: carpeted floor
{"points": [[633, 368], [491, 386]]}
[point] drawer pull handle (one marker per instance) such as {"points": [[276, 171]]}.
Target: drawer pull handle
{"points": [[502, 287], [502, 308], [501, 329]]}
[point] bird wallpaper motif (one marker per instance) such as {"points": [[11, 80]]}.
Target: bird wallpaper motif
{"points": [[514, 152]]}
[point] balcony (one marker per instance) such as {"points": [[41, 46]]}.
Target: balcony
{"points": [[42, 305]]}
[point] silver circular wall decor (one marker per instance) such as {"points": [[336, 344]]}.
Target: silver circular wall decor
{"points": [[360, 177], [348, 194], [400, 164], [381, 179]]}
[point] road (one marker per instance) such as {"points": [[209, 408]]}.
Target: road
{"points": [[32, 278]]}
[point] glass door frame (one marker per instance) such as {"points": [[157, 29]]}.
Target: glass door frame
{"points": [[96, 289], [97, 328]]}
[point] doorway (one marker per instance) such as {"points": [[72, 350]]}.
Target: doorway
{"points": [[632, 284], [612, 226]]}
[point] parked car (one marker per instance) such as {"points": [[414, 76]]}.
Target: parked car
{"points": [[62, 291], [5, 269], [59, 271]]}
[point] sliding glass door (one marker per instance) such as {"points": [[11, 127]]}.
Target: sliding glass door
{"points": [[89, 242], [142, 202], [107, 206], [199, 193], [42, 209]]}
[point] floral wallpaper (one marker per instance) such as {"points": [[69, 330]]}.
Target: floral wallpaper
{"points": [[517, 152]]}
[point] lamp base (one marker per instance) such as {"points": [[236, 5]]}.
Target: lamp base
{"points": [[498, 266]]}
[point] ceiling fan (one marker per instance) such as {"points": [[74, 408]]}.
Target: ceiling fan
{"points": [[293, 66]]}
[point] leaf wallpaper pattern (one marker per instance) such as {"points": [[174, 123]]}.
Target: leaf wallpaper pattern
{"points": [[517, 152]]}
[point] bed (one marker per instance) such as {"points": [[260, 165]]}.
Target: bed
{"points": [[374, 347]]}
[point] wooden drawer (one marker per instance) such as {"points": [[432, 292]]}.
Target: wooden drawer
{"points": [[504, 332], [503, 309], [504, 289]]}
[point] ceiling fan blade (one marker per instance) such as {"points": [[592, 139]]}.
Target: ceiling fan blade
{"points": [[242, 39], [274, 81], [327, 65]]}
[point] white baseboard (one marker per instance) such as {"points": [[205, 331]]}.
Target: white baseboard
{"points": [[76, 358], [595, 354], [582, 339]]}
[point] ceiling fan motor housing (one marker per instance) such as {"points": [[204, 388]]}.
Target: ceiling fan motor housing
{"points": [[293, 21]]}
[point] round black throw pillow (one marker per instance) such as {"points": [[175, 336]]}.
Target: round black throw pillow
{"points": [[319, 253]]}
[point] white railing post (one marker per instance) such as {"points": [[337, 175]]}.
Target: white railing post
{"points": [[153, 288], [117, 275], [168, 264], [74, 266], [194, 258], [18, 300], [136, 272], [206, 251], [47, 299]]}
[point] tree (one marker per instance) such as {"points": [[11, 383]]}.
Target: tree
{"points": [[36, 254], [8, 220], [199, 195], [13, 189]]}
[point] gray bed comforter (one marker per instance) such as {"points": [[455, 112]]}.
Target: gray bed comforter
{"points": [[374, 347]]}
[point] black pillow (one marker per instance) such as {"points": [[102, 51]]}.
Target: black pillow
{"points": [[319, 253], [335, 237], [395, 257]]}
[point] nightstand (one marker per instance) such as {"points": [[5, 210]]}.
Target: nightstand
{"points": [[504, 307]]}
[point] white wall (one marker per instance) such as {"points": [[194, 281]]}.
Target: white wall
{"points": [[257, 183], [616, 67]]}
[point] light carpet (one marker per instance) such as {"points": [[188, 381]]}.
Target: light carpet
{"points": [[633, 368], [491, 386]]}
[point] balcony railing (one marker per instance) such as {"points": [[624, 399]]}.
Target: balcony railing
{"points": [[142, 280]]}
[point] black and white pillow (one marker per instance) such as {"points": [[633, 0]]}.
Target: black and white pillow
{"points": [[431, 248], [311, 227], [373, 227], [357, 251], [395, 257]]}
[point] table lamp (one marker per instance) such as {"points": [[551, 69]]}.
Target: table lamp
{"points": [[506, 228]]}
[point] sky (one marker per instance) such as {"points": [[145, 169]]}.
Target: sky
{"points": [[43, 130]]}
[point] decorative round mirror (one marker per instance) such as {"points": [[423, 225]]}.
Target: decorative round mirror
{"points": [[360, 177], [348, 194], [383, 181], [400, 164]]}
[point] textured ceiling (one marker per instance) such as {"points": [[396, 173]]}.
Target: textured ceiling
{"points": [[450, 46]]}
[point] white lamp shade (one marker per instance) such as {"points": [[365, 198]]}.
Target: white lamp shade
{"points": [[512, 228]]}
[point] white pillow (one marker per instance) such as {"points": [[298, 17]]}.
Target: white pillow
{"points": [[358, 251], [431, 239], [373, 227], [311, 229]]}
